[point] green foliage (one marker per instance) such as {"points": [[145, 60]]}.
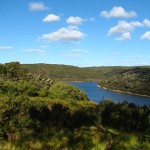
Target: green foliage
{"points": [[135, 80], [30, 88], [43, 93], [125, 116], [19, 88], [71, 73], [21, 116], [91, 138], [127, 79], [13, 71], [14, 116], [66, 91], [39, 113]]}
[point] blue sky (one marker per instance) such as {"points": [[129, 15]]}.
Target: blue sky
{"points": [[75, 32]]}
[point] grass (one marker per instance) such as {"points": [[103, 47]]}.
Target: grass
{"points": [[84, 138], [80, 138]]}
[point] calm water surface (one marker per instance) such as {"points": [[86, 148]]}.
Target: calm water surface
{"points": [[97, 94]]}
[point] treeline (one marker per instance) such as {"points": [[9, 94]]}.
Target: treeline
{"points": [[135, 80], [71, 73]]}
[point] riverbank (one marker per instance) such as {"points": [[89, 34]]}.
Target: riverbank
{"points": [[118, 91]]}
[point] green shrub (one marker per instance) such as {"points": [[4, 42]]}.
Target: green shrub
{"points": [[65, 91], [43, 93]]}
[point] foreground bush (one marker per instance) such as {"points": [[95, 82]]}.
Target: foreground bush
{"points": [[37, 123], [125, 116], [23, 116], [66, 91]]}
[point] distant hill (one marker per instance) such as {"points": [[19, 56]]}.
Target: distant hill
{"points": [[135, 80], [71, 73], [127, 79]]}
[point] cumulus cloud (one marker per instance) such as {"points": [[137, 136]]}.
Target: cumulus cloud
{"points": [[35, 51], [122, 31], [124, 36], [75, 53], [146, 22], [75, 20], [51, 18], [69, 34], [118, 12], [37, 6], [146, 36], [5, 47]]}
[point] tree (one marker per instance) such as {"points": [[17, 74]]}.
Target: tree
{"points": [[14, 70], [66, 91]]}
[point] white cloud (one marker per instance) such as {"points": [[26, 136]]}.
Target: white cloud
{"points": [[78, 20], [75, 53], [124, 36], [37, 6], [69, 34], [136, 24], [118, 12], [75, 20], [5, 47], [146, 36], [146, 22], [35, 51], [122, 31], [51, 18]]}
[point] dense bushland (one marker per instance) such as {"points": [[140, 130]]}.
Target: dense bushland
{"points": [[135, 80], [23, 117], [39, 113]]}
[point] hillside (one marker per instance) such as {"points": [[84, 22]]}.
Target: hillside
{"points": [[135, 80], [71, 73], [127, 79]]}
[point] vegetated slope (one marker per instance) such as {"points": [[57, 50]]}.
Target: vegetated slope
{"points": [[135, 80], [71, 73], [61, 72], [127, 79]]}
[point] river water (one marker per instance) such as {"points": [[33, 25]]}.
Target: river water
{"points": [[97, 94]]}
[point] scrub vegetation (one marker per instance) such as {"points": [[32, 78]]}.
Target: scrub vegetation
{"points": [[38, 112]]}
